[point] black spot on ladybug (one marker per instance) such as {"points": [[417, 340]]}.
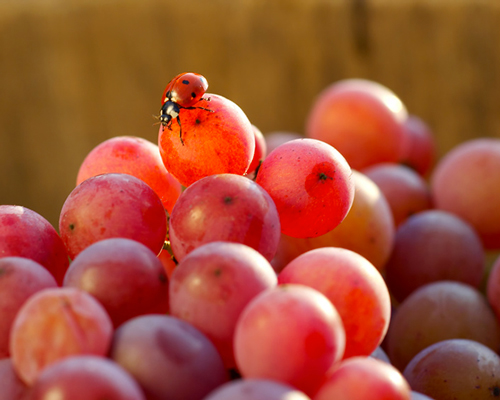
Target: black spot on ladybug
{"points": [[185, 82], [193, 95]]}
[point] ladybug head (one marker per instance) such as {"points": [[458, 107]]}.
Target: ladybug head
{"points": [[168, 111]]}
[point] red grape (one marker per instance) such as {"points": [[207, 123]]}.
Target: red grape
{"points": [[135, 156], [260, 150], [224, 207], [256, 389], [85, 378], [455, 369], [124, 275], [493, 286], [25, 233], [214, 142], [112, 205], [439, 311], [360, 118], [292, 334], [168, 357], [406, 192], [420, 146], [19, 279], [434, 245], [213, 284], [360, 378], [56, 323], [12, 388], [465, 182], [355, 288], [368, 229], [310, 183]]}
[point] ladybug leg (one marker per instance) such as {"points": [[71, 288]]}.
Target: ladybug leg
{"points": [[180, 130]]}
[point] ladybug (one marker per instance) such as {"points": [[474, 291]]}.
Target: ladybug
{"points": [[182, 92]]}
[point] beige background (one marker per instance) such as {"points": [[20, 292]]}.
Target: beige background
{"points": [[73, 73]]}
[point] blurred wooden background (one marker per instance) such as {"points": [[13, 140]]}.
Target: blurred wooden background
{"points": [[74, 73]]}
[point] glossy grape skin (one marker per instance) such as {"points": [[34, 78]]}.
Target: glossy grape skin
{"points": [[213, 284], [169, 358], [135, 156], [25, 233], [291, 334], [355, 288], [125, 276], [406, 191], [362, 119], [19, 278], [310, 183], [439, 311], [12, 388], [465, 182], [434, 245], [112, 205], [224, 207], [420, 146], [86, 378], [455, 369], [256, 389], [364, 378], [56, 323], [368, 229], [214, 142]]}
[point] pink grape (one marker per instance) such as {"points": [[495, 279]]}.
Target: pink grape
{"points": [[360, 378], [56, 323], [12, 388], [212, 285], [355, 288], [86, 378], [439, 311], [135, 156], [434, 245], [256, 389], [125, 276], [168, 357], [112, 205], [224, 207], [310, 183], [25, 233], [19, 278], [291, 334], [406, 191]]}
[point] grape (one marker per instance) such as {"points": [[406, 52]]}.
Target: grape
{"points": [[364, 378], [224, 207], [135, 156], [434, 245], [112, 205], [310, 184], [260, 150], [214, 142], [19, 278], [493, 286], [25, 233], [213, 284], [291, 334], [368, 229], [360, 118], [355, 288], [256, 389], [420, 145], [277, 138], [56, 323], [85, 378], [124, 275], [406, 192], [455, 369], [465, 182], [168, 357], [12, 388], [438, 311]]}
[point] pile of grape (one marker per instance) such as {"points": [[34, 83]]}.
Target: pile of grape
{"points": [[221, 263]]}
